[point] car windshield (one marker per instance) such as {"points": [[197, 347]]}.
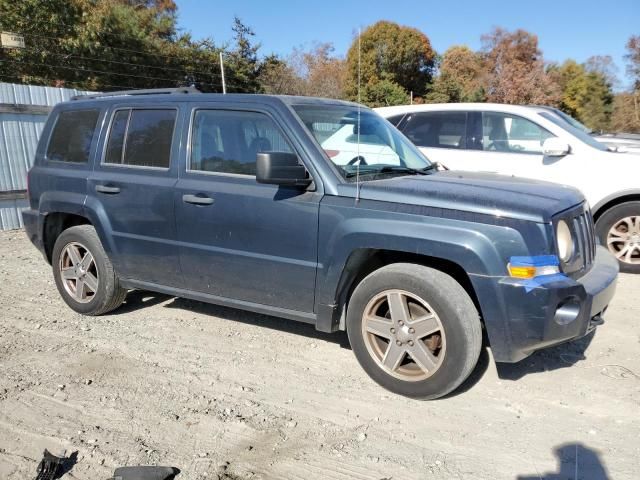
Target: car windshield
{"points": [[580, 134], [572, 121], [360, 142]]}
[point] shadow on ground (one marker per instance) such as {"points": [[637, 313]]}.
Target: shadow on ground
{"points": [[138, 299], [561, 356], [575, 461]]}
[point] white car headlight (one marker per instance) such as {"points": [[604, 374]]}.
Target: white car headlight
{"points": [[565, 241]]}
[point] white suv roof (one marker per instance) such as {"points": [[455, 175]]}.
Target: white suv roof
{"points": [[426, 107]]}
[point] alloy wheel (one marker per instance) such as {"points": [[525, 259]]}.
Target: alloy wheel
{"points": [[623, 240], [404, 335], [78, 272]]}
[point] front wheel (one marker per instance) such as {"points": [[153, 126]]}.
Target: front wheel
{"points": [[619, 230], [414, 330]]}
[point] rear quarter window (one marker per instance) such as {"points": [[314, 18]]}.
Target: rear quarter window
{"points": [[72, 136]]}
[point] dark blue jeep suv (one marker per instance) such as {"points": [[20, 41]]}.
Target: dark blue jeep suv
{"points": [[318, 211]]}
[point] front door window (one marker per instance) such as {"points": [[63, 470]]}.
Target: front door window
{"points": [[502, 132]]}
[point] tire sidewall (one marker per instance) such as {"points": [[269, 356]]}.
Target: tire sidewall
{"points": [[610, 218], [75, 234], [453, 310]]}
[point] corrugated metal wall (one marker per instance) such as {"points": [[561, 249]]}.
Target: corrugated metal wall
{"points": [[19, 134]]}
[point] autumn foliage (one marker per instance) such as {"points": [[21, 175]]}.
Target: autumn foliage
{"points": [[121, 44]]}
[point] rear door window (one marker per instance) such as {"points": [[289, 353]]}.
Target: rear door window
{"points": [[72, 136], [141, 138], [437, 129]]}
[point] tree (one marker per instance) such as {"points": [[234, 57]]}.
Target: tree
{"points": [[626, 107], [399, 56], [277, 77], [384, 93], [625, 116], [242, 61], [460, 78], [118, 44], [586, 94], [633, 59], [321, 73], [603, 65], [515, 69]]}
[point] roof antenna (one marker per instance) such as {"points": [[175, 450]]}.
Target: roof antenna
{"points": [[358, 136]]}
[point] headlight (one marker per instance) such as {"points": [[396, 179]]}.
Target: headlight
{"points": [[565, 241]]}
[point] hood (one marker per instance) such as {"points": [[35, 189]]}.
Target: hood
{"points": [[483, 193]]}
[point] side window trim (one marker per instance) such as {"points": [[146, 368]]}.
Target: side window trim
{"points": [[474, 129], [189, 145], [112, 115]]}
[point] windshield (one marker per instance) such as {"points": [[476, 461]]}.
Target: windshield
{"points": [[572, 121], [580, 134], [370, 146]]}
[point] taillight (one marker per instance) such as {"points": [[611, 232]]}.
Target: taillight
{"points": [[332, 153]]}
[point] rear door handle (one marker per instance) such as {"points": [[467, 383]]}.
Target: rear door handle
{"points": [[107, 189], [196, 200]]}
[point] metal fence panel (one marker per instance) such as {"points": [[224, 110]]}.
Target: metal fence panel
{"points": [[10, 217], [19, 134], [20, 130]]}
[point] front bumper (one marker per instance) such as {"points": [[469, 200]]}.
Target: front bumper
{"points": [[559, 310]]}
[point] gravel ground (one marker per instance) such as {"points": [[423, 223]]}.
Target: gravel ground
{"points": [[226, 394]]}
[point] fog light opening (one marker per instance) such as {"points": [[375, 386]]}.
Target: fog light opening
{"points": [[567, 311]]}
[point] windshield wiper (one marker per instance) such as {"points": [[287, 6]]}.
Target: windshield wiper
{"points": [[415, 171], [371, 170]]}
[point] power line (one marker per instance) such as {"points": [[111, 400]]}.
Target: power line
{"points": [[85, 70], [124, 87], [116, 48], [142, 65], [90, 70], [115, 35]]}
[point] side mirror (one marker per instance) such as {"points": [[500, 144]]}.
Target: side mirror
{"points": [[554, 147], [281, 168]]}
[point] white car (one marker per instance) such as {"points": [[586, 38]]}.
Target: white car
{"points": [[345, 147], [534, 142], [621, 142]]}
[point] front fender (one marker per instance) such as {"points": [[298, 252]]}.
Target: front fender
{"points": [[481, 246]]}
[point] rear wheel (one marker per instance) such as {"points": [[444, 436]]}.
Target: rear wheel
{"points": [[84, 274], [619, 230], [414, 330]]}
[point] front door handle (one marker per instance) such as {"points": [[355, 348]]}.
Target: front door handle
{"points": [[107, 189], [196, 200]]}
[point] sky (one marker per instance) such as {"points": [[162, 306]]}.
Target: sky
{"points": [[574, 29]]}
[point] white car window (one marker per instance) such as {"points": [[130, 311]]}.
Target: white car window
{"points": [[502, 132], [437, 129]]}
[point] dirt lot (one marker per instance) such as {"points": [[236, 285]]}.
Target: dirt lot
{"points": [[226, 394]]}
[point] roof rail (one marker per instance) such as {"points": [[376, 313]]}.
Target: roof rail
{"points": [[149, 91]]}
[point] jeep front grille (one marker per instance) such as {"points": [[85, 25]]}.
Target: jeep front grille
{"points": [[585, 237], [582, 228]]}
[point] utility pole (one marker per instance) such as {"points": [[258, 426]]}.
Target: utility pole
{"points": [[411, 97], [224, 85]]}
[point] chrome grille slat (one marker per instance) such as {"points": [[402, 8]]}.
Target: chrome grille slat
{"points": [[587, 243]]}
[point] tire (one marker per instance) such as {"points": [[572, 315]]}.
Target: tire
{"points": [[625, 220], [100, 290], [454, 348]]}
